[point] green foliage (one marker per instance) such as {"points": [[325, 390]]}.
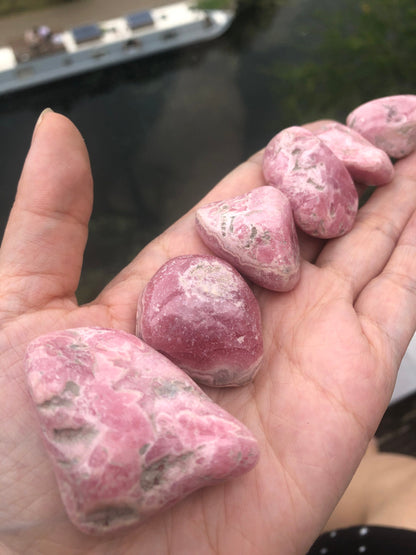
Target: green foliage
{"points": [[238, 5], [366, 50], [215, 4], [14, 6]]}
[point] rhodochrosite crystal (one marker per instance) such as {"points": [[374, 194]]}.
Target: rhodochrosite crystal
{"points": [[389, 123], [320, 189], [366, 163], [256, 233], [199, 311], [128, 432]]}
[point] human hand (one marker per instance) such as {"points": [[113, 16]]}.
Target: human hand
{"points": [[332, 349]]}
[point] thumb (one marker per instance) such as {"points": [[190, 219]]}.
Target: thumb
{"points": [[44, 241]]}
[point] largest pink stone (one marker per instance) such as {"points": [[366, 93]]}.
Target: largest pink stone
{"points": [[128, 432]]}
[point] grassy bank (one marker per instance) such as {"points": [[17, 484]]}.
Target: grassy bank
{"points": [[15, 6], [215, 4]]}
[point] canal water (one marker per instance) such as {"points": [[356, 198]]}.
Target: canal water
{"points": [[161, 132]]}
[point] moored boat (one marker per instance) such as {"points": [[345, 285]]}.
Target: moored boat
{"points": [[43, 55]]}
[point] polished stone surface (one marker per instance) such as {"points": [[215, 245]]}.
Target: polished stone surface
{"points": [[200, 313], [128, 432], [321, 191], [255, 233]]}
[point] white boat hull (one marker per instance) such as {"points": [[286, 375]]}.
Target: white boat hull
{"points": [[175, 26]]}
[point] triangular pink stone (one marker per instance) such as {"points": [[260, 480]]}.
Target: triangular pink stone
{"points": [[255, 233], [128, 432]]}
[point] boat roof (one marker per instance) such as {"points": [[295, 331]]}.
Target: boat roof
{"points": [[42, 42]]}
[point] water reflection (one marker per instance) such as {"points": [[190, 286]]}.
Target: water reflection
{"points": [[162, 131]]}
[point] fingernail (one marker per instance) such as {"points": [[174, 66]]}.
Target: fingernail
{"points": [[40, 118]]}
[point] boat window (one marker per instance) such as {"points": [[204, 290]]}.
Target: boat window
{"points": [[169, 35], [139, 19], [208, 22], [132, 43], [98, 54], [86, 33]]}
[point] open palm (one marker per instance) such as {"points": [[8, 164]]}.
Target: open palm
{"points": [[332, 349]]}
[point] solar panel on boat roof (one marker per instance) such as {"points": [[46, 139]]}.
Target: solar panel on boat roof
{"points": [[86, 33], [139, 19]]}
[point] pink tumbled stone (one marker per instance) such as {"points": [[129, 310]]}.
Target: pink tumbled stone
{"points": [[320, 189], [366, 163], [256, 233], [199, 312], [388, 123], [129, 433]]}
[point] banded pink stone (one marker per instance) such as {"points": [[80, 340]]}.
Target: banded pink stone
{"points": [[129, 434], [256, 233], [388, 123], [366, 163], [200, 312], [320, 189]]}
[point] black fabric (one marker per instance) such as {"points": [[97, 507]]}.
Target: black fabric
{"points": [[368, 540]]}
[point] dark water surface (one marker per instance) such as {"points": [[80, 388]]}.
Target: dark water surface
{"points": [[162, 131]]}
